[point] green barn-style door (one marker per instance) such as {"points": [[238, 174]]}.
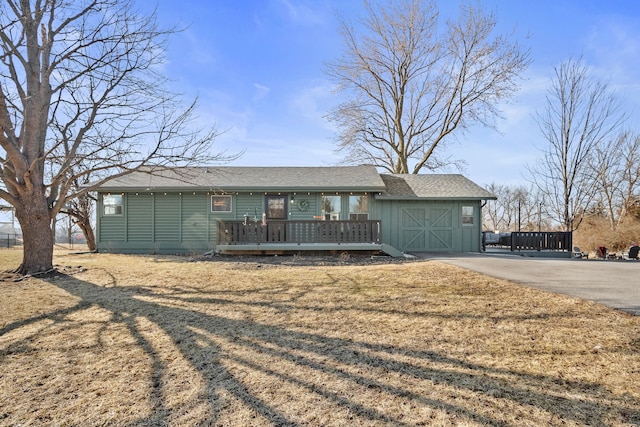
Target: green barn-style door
{"points": [[426, 228]]}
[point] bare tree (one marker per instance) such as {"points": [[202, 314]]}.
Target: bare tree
{"points": [[81, 93], [80, 211], [492, 211], [617, 167], [411, 86], [516, 208], [581, 113], [630, 177]]}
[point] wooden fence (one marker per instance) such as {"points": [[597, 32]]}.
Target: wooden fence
{"points": [[560, 241]]}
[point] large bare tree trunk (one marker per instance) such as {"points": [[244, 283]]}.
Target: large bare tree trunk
{"points": [[37, 237]]}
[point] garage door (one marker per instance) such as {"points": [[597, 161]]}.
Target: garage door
{"points": [[426, 228]]}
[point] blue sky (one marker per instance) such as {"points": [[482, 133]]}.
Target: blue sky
{"points": [[257, 68]]}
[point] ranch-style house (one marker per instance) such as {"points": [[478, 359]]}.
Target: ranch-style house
{"points": [[288, 209]]}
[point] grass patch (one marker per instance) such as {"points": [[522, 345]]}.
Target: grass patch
{"points": [[142, 340]]}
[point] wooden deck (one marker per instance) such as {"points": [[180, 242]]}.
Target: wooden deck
{"points": [[240, 233], [299, 236]]}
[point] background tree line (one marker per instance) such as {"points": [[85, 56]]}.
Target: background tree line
{"points": [[587, 176], [609, 209]]}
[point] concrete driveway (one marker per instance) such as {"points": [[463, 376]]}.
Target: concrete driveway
{"points": [[615, 283]]}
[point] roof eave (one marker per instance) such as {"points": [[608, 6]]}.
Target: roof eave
{"points": [[382, 197], [341, 189]]}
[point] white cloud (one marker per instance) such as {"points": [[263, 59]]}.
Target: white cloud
{"points": [[312, 102], [530, 98], [286, 151], [200, 51], [613, 54], [299, 13], [260, 92], [613, 49]]}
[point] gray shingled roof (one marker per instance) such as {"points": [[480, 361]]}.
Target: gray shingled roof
{"points": [[231, 178], [432, 186]]}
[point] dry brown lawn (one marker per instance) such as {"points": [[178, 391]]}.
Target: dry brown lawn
{"points": [[150, 341]]}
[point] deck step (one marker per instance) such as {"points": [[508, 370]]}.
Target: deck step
{"points": [[390, 250]]}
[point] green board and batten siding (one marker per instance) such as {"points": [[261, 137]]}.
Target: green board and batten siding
{"points": [[159, 223], [194, 224], [429, 226], [140, 218], [423, 213], [165, 229], [181, 222]]}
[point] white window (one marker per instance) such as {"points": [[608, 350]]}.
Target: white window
{"points": [[220, 203], [112, 204], [467, 215], [358, 207], [331, 208]]}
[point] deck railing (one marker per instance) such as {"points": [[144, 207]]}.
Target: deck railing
{"points": [[239, 232]]}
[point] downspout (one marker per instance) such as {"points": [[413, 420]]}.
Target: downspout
{"points": [[483, 245]]}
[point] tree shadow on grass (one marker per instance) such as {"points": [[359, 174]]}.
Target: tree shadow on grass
{"points": [[363, 383]]}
